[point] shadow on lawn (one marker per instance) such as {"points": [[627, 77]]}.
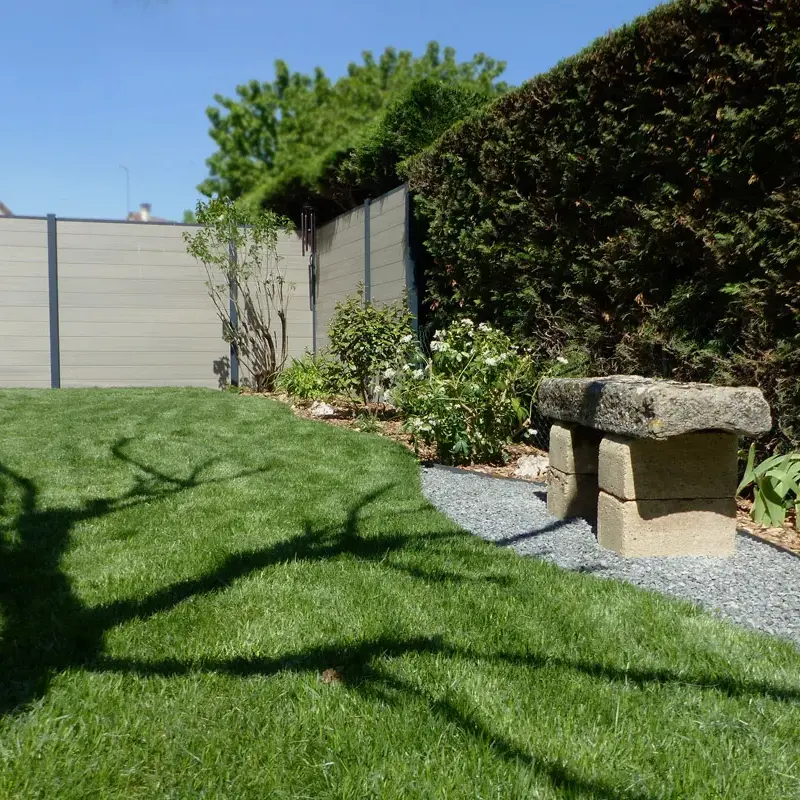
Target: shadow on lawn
{"points": [[49, 630]]}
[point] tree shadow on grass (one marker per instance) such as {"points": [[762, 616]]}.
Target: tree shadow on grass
{"points": [[49, 630], [362, 667], [366, 666]]}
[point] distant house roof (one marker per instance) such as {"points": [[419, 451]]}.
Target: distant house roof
{"points": [[5, 211], [144, 215]]}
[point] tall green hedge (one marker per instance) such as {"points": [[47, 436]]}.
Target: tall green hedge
{"points": [[638, 205]]}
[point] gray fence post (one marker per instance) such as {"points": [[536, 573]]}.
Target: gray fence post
{"points": [[411, 282], [367, 269], [312, 282], [52, 286], [233, 291]]}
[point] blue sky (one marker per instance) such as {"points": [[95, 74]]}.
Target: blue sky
{"points": [[92, 84]]}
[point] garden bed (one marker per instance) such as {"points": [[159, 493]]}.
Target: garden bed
{"points": [[384, 421]]}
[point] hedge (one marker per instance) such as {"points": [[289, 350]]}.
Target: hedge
{"points": [[413, 121], [637, 208]]}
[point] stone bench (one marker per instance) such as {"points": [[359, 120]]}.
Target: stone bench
{"points": [[654, 462]]}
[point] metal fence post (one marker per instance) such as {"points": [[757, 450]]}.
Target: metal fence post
{"points": [[52, 285], [367, 269], [408, 258], [233, 291], [312, 279]]}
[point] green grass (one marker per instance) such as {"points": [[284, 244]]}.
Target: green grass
{"points": [[178, 567]]}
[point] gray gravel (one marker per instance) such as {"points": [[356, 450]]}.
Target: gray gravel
{"points": [[758, 587]]}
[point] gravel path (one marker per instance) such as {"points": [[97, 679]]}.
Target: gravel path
{"points": [[758, 587]]}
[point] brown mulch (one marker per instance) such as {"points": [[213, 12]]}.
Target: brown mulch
{"points": [[390, 425], [787, 537]]}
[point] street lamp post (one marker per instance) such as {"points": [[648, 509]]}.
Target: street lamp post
{"points": [[127, 190]]}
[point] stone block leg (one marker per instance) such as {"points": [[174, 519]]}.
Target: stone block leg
{"points": [[571, 495], [668, 498], [633, 528], [572, 482]]}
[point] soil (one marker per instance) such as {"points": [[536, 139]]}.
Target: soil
{"points": [[383, 421]]}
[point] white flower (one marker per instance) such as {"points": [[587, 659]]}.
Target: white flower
{"points": [[436, 346], [406, 339], [437, 335], [418, 374], [484, 327], [492, 361], [532, 432], [389, 374], [467, 321], [562, 360]]}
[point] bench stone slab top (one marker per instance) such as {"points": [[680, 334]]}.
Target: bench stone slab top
{"points": [[644, 408]]}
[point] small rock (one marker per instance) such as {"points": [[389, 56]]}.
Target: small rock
{"points": [[532, 467], [320, 409], [331, 676]]}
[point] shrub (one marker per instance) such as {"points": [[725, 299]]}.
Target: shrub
{"points": [[776, 487], [466, 398], [239, 251], [312, 377], [641, 200], [371, 341]]}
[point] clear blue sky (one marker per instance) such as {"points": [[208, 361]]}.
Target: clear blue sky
{"points": [[92, 84]]}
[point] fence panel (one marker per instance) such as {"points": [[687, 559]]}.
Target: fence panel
{"points": [[366, 245], [137, 261], [24, 304], [340, 266], [133, 306], [388, 246]]}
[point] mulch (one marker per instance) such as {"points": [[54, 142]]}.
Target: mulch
{"points": [[387, 423]]}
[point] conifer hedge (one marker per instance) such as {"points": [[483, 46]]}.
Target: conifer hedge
{"points": [[637, 206]]}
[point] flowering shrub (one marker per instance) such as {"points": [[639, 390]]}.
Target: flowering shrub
{"points": [[371, 341], [465, 398]]}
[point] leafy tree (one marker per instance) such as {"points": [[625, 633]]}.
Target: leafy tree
{"points": [[239, 250], [280, 143], [189, 217], [411, 122]]}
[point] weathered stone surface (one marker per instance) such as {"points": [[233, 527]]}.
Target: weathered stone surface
{"points": [[574, 449], [638, 407], [666, 527], [533, 467], [320, 409], [688, 466], [571, 495]]}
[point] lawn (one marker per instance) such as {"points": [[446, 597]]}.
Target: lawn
{"points": [[203, 596]]}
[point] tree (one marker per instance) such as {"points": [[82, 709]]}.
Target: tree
{"points": [[411, 122], [280, 143], [189, 217], [239, 250]]}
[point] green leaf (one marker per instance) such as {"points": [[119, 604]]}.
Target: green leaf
{"points": [[749, 476]]}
